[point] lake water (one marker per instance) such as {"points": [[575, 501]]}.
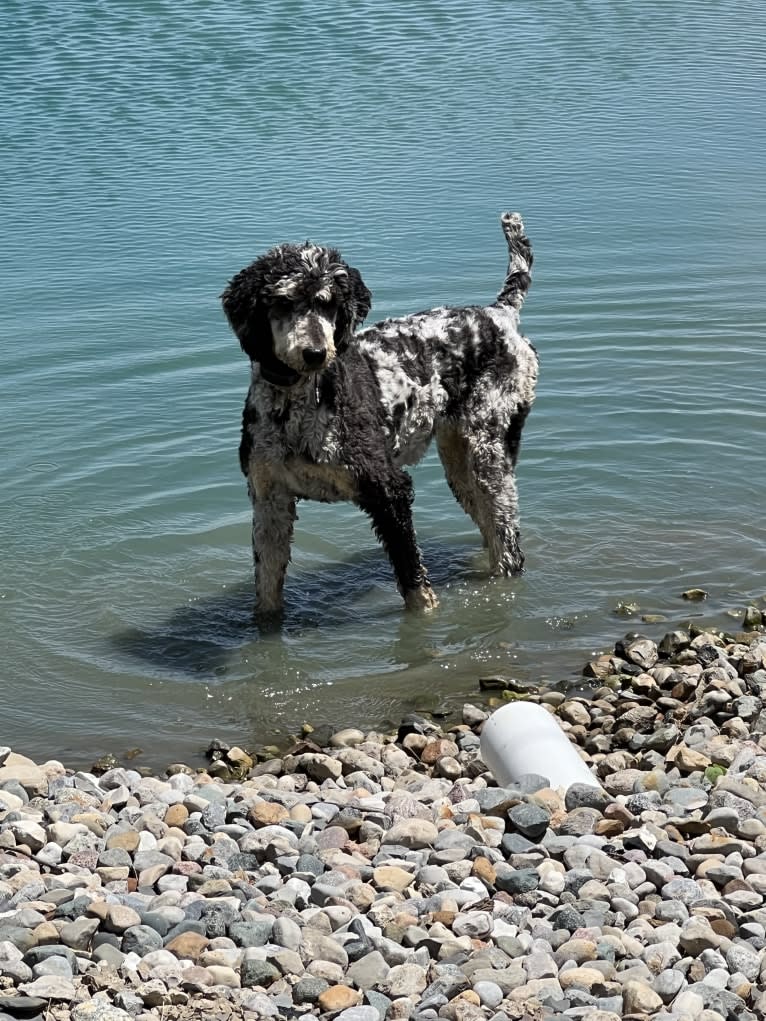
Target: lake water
{"points": [[149, 151]]}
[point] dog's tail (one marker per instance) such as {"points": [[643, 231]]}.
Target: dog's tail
{"points": [[520, 261]]}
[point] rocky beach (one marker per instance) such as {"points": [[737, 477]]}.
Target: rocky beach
{"points": [[372, 876]]}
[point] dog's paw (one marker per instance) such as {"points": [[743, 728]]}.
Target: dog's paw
{"points": [[422, 598]]}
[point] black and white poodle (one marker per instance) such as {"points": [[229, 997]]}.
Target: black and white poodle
{"points": [[332, 414]]}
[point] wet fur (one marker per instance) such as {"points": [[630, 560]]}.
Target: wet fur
{"points": [[334, 414]]}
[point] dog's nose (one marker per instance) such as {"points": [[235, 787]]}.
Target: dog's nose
{"points": [[314, 356]]}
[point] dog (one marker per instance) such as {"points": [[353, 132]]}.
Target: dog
{"points": [[335, 413]]}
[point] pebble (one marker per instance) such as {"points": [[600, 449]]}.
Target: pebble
{"points": [[387, 876]]}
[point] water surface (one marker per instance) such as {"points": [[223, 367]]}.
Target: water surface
{"points": [[148, 153]]}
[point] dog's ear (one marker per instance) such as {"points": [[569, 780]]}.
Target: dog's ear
{"points": [[246, 311], [353, 309], [362, 296]]}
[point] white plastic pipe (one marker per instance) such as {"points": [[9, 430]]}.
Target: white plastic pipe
{"points": [[522, 737]]}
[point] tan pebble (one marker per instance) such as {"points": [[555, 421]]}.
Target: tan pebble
{"points": [[548, 798], [347, 738], [327, 970], [405, 918], [400, 1009], [113, 873], [484, 870], [267, 813], [150, 875], [608, 828], [362, 896], [584, 977], [415, 743], [339, 998], [119, 917], [176, 815], [95, 822], [127, 841], [301, 813], [689, 760], [711, 862], [195, 978], [240, 758], [391, 877], [468, 996], [223, 976], [438, 749], [742, 989], [574, 713], [98, 909], [187, 945], [214, 888], [444, 917], [46, 933], [449, 768], [638, 997]]}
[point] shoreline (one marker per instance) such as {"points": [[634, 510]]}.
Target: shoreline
{"points": [[374, 876]]}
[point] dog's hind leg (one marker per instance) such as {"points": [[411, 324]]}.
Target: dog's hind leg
{"points": [[480, 469], [388, 502], [454, 453], [273, 520], [493, 463]]}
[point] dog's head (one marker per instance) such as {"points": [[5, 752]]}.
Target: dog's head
{"points": [[294, 309]]}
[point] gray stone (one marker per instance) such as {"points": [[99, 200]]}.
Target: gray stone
{"points": [[412, 833], [50, 987], [315, 945], [308, 989], [251, 934], [286, 933], [53, 966], [379, 1001], [368, 971], [685, 890], [513, 881], [490, 994], [258, 973], [22, 1006], [507, 978], [110, 955], [38, 954], [668, 984], [79, 933], [581, 795], [258, 1003], [743, 958], [141, 940], [404, 980], [364, 1012], [99, 1010], [530, 820]]}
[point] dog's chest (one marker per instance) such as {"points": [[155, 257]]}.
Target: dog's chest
{"points": [[296, 447]]}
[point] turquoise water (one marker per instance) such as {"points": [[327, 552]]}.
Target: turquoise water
{"points": [[148, 152]]}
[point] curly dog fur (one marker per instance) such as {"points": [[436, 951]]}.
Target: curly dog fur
{"points": [[334, 414]]}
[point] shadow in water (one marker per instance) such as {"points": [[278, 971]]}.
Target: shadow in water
{"points": [[199, 637]]}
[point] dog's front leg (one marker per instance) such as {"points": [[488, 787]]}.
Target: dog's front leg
{"points": [[389, 504], [273, 520]]}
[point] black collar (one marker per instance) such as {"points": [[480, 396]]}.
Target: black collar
{"points": [[280, 375]]}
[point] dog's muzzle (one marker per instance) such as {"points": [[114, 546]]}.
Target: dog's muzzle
{"points": [[314, 357]]}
